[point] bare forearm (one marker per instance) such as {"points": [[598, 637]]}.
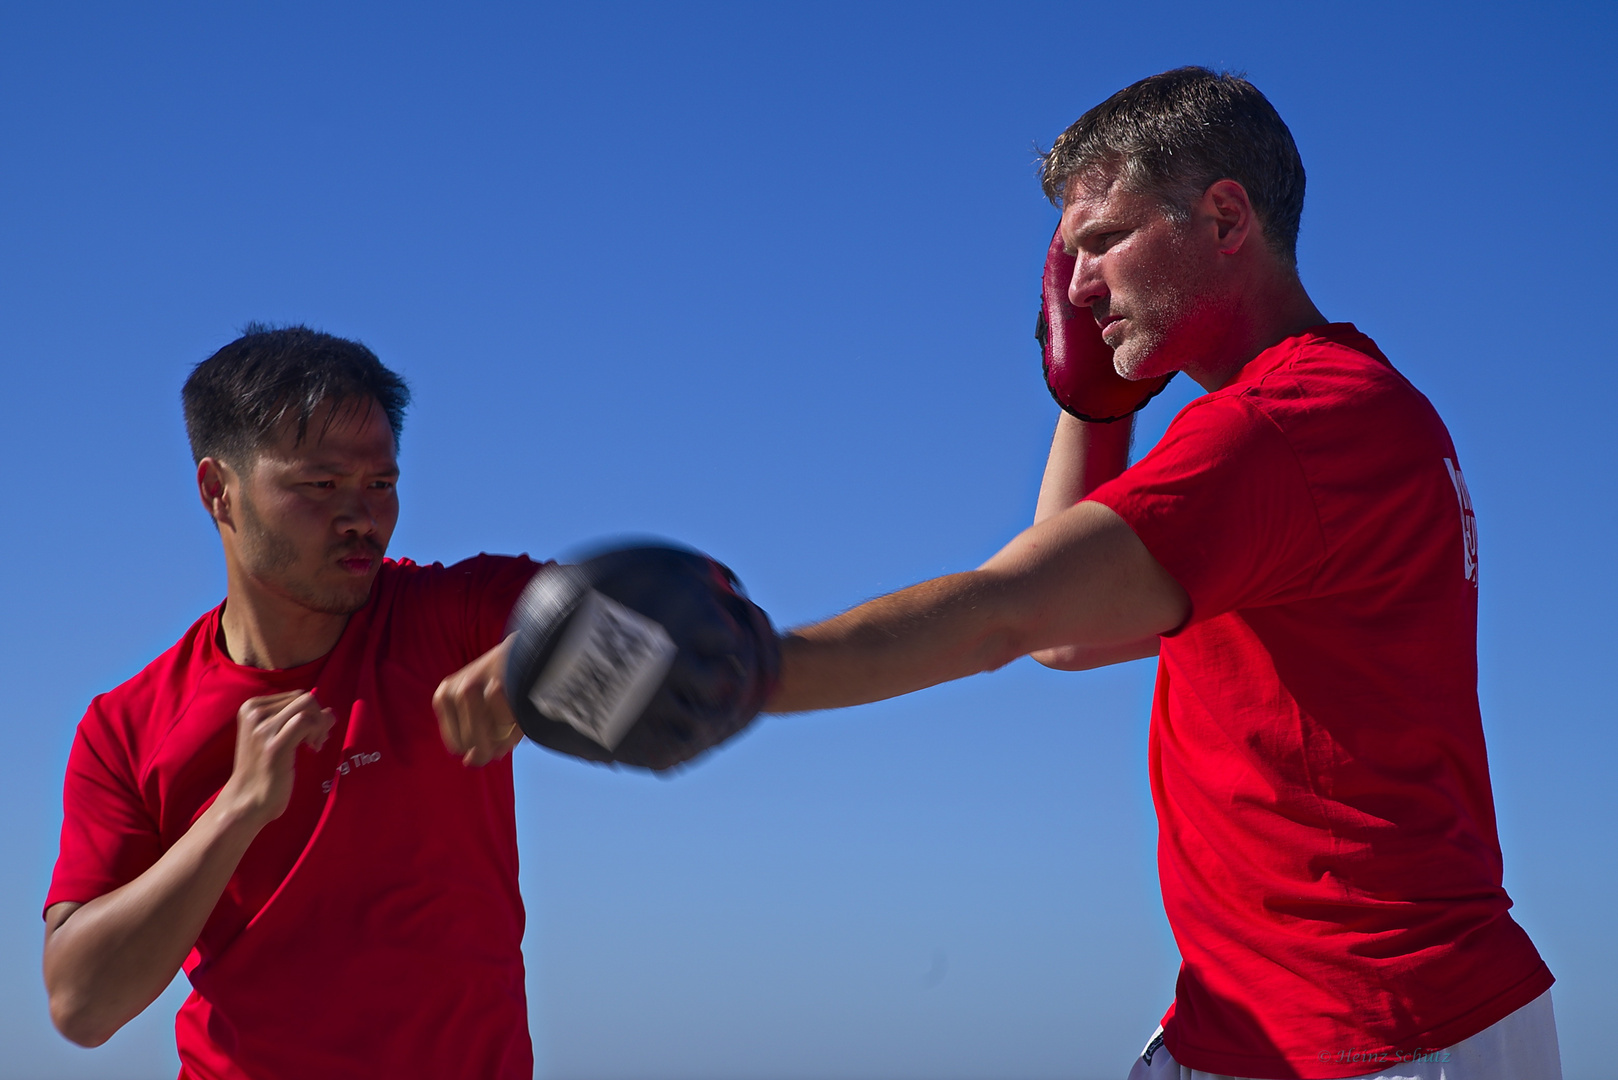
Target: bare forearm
{"points": [[108, 959], [939, 630], [1079, 582], [1083, 457]]}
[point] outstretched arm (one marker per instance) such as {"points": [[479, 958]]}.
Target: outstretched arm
{"points": [[1079, 579], [108, 959]]}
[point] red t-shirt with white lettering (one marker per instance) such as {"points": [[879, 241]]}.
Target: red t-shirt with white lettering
{"points": [[375, 928], [1327, 845]]}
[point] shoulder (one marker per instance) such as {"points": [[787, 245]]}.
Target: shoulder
{"points": [[1334, 398], [128, 722], [1329, 370], [1220, 424], [171, 675], [462, 608], [1376, 455], [481, 570]]}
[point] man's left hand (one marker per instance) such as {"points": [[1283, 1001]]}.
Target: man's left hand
{"points": [[474, 716]]}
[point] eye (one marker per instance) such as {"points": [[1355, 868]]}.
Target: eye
{"points": [[382, 485], [1102, 241]]}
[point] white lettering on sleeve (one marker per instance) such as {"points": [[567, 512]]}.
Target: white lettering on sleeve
{"points": [[1469, 522]]}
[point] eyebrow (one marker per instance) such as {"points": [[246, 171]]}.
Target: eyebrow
{"points": [[332, 466], [1099, 227]]}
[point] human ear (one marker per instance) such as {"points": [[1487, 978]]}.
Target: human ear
{"points": [[215, 481], [1226, 204]]}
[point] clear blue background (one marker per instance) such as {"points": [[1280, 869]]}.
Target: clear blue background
{"points": [[763, 278]]}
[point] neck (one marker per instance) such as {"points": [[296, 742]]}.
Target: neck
{"points": [[265, 630], [1260, 317]]}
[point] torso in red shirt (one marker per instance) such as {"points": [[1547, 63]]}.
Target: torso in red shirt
{"points": [[375, 928], [1327, 843]]}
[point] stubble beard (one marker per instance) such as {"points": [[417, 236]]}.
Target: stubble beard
{"points": [[1161, 339], [1162, 315], [272, 558]]}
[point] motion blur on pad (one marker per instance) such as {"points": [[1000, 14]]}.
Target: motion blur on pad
{"points": [[645, 656]]}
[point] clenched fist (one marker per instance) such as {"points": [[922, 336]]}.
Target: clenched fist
{"points": [[269, 731], [474, 716]]}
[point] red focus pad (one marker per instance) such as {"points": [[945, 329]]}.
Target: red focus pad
{"points": [[1078, 364]]}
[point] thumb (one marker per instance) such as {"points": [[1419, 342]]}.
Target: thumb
{"points": [[308, 726], [320, 730]]}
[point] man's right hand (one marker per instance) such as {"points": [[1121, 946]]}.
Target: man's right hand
{"points": [[474, 716], [269, 731], [108, 959]]}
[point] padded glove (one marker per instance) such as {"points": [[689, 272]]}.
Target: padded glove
{"points": [[1078, 364]]}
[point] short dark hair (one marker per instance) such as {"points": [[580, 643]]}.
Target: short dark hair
{"points": [[1172, 136], [237, 398]]}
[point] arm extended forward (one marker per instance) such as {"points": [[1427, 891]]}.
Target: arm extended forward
{"points": [[1078, 580]]}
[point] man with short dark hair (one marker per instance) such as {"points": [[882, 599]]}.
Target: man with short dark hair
{"points": [[269, 804], [1300, 553]]}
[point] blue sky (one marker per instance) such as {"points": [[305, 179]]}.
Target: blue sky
{"points": [[763, 278]]}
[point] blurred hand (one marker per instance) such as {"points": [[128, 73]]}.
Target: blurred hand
{"points": [[474, 716]]}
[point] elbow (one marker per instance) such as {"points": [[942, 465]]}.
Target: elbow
{"points": [[1090, 657], [78, 1021], [997, 649], [1063, 658], [76, 1025], [82, 1010]]}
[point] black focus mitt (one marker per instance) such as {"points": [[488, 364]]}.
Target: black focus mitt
{"points": [[644, 656]]}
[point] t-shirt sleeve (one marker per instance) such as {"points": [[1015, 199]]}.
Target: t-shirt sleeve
{"points": [[1223, 504], [108, 836], [492, 585]]}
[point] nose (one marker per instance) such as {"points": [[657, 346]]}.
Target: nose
{"points": [[356, 517], [1087, 285]]}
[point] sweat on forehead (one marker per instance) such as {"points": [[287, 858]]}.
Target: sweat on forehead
{"points": [[1097, 181], [246, 394]]}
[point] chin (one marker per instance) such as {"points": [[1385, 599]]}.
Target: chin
{"points": [[349, 605], [343, 599], [351, 600], [1132, 365]]}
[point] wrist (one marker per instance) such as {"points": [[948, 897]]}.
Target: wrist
{"points": [[1107, 450], [235, 815]]}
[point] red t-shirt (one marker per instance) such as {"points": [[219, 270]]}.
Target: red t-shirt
{"points": [[375, 928], [1327, 845]]}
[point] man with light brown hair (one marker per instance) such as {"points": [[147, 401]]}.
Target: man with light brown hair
{"points": [[1299, 552]]}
